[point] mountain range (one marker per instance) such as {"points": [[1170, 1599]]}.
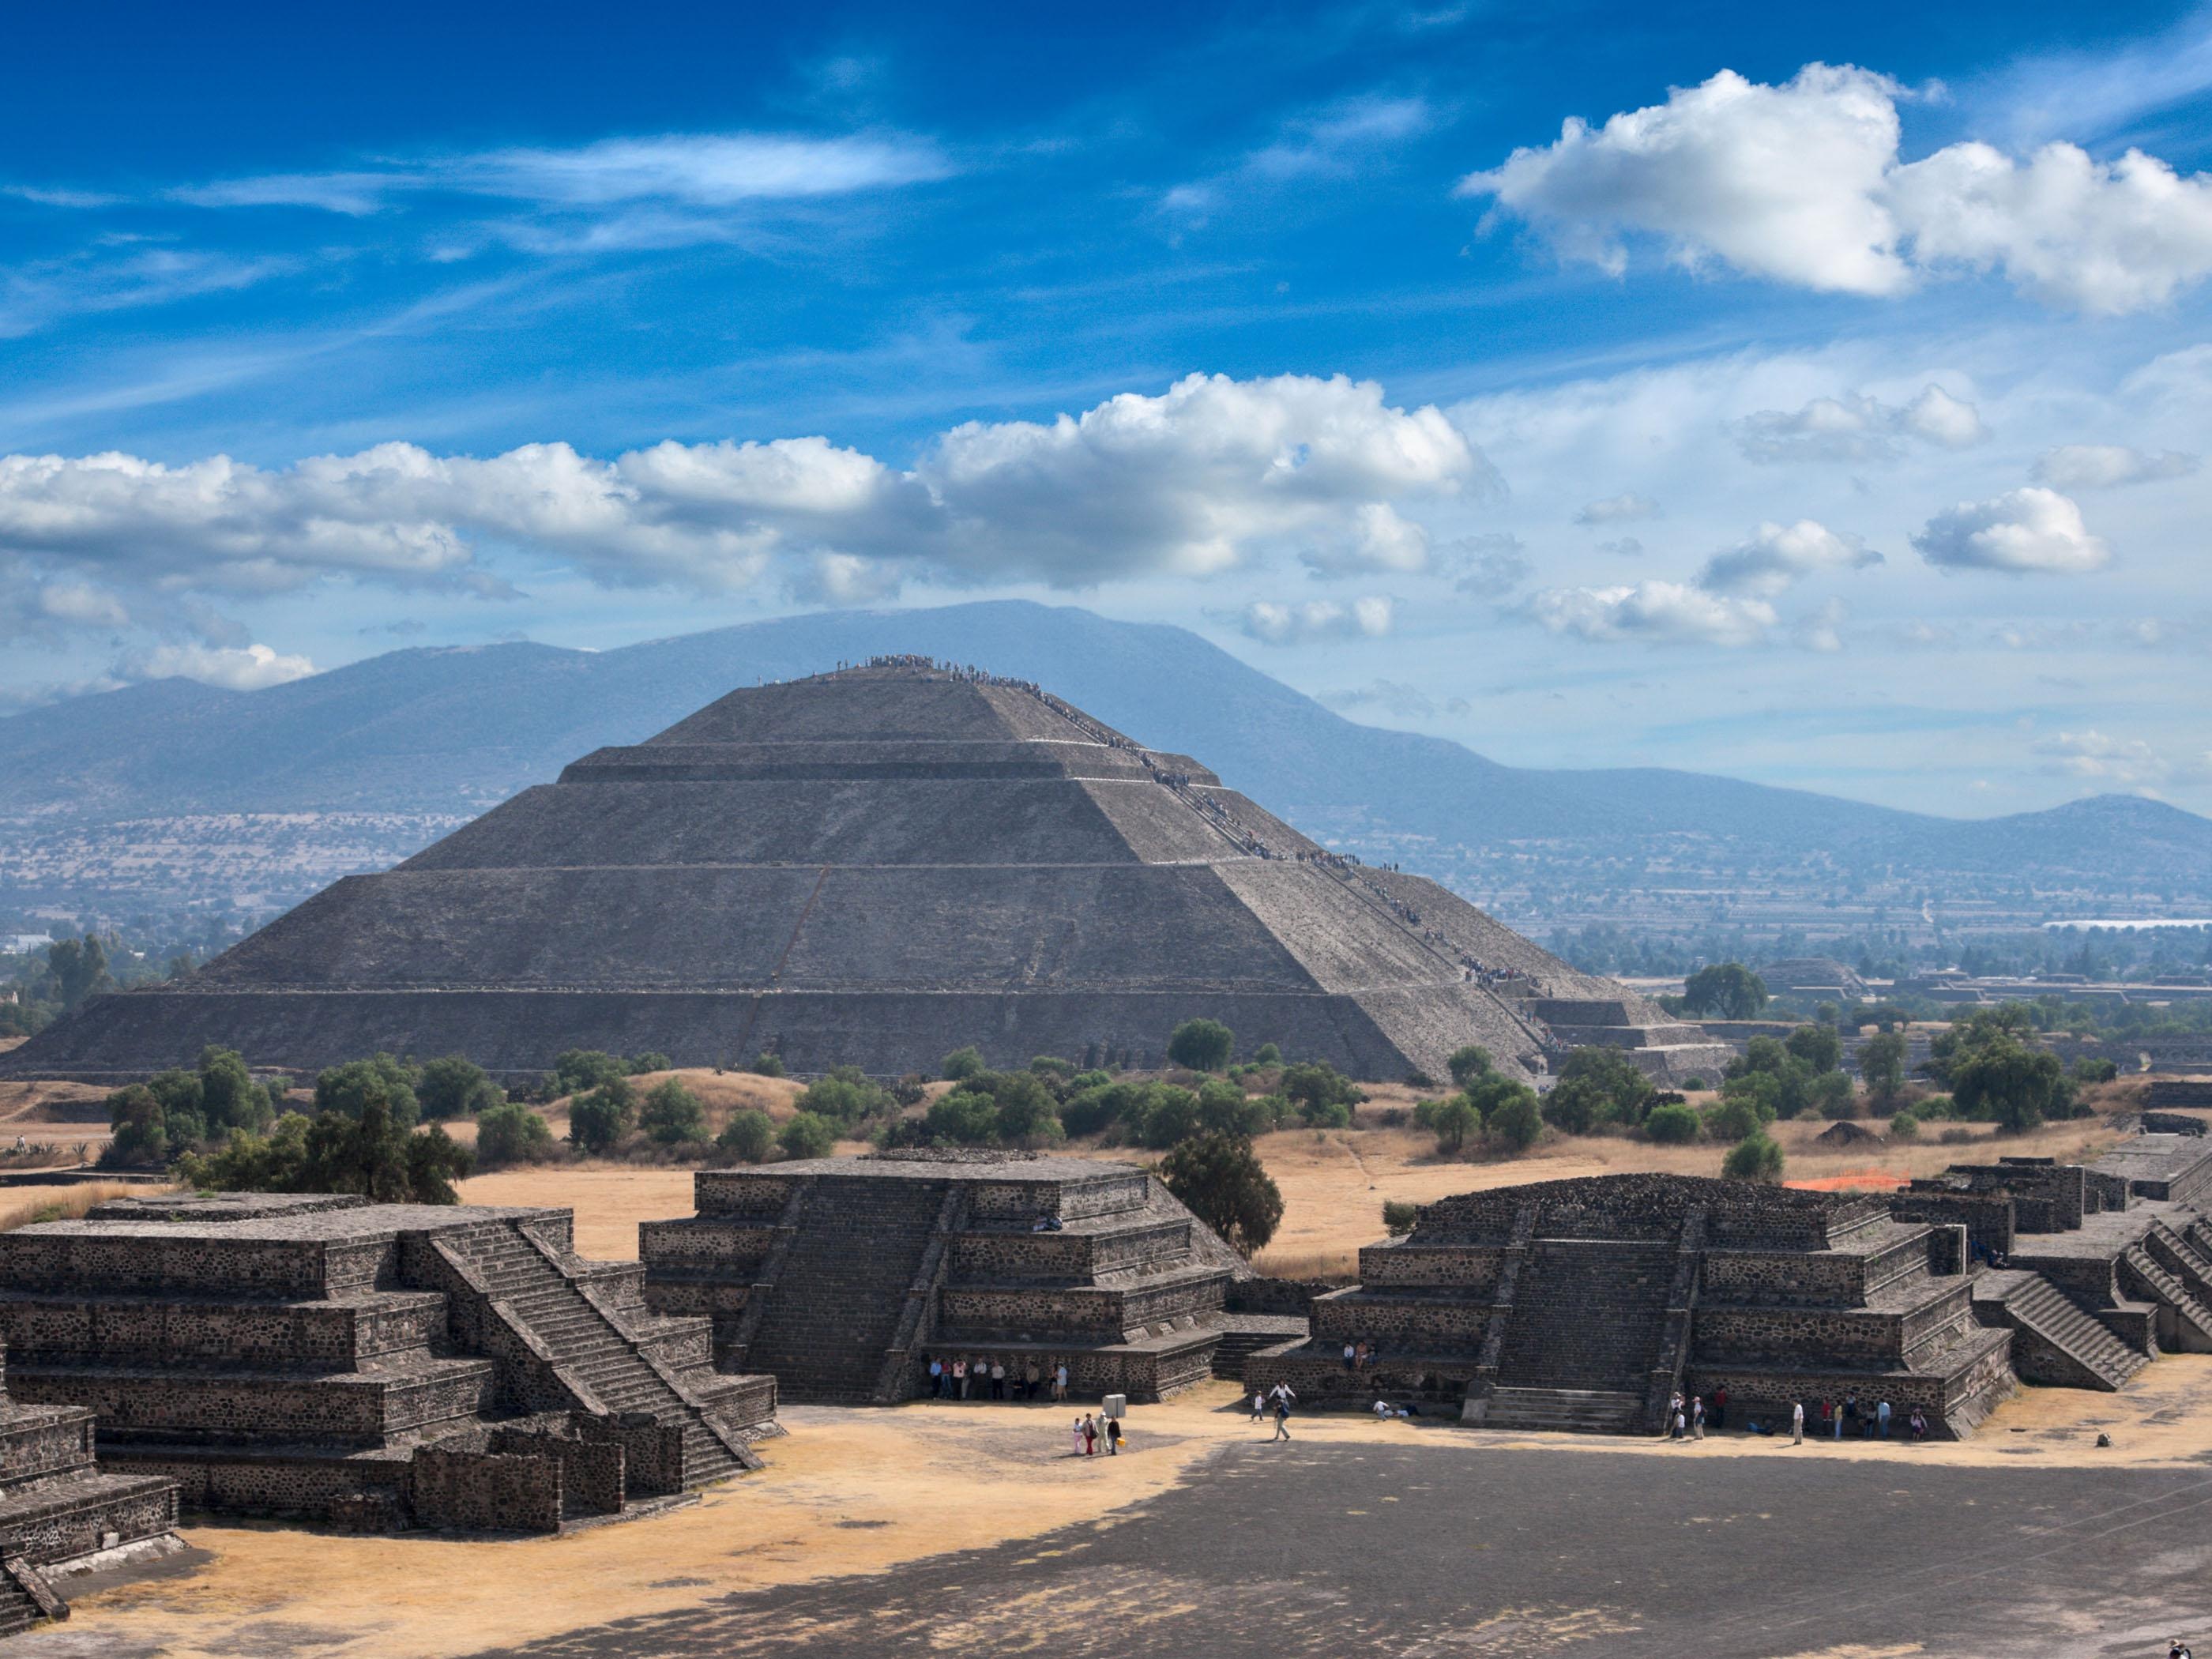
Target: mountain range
{"points": [[438, 733]]}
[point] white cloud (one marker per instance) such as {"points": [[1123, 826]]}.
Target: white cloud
{"points": [[1618, 509], [1659, 612], [2105, 466], [1858, 428], [2023, 532], [1317, 621], [246, 669], [1626, 548], [2127, 762], [1777, 182], [1189, 483], [1822, 629], [1803, 182], [841, 579], [1777, 555], [694, 170]]}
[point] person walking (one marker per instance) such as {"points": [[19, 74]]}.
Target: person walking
{"points": [[1797, 1422], [937, 1379], [1078, 1437], [1282, 1415], [1059, 1381], [1259, 1405], [1881, 1413], [1113, 1426], [1090, 1435], [1698, 1418]]}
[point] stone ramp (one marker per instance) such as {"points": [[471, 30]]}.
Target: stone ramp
{"points": [[588, 1344], [834, 1312], [2056, 1343], [1587, 1316]]}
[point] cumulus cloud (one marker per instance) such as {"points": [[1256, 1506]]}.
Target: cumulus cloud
{"points": [[2105, 466], [1777, 555], [1317, 621], [1189, 483], [1618, 509], [1658, 612], [1803, 182], [2032, 531], [2127, 762], [1857, 427], [249, 668]]}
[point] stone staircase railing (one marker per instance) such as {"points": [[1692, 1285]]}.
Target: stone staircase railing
{"points": [[1483, 1383], [747, 1329]]}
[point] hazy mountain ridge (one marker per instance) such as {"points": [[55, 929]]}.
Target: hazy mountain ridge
{"points": [[441, 730]]}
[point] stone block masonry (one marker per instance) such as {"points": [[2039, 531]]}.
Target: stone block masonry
{"points": [[302, 1357], [842, 1276]]}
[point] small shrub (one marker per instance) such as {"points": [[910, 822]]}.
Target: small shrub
{"points": [[1673, 1125], [767, 1064], [961, 1064], [1957, 1137], [808, 1136], [1454, 1122], [649, 1062], [1399, 1216], [1755, 1158], [454, 1086], [510, 1133], [671, 1114], [580, 1070], [1268, 1054], [600, 1118], [747, 1137], [1904, 1125], [1468, 1063], [966, 1117], [1514, 1121], [1203, 1045]]}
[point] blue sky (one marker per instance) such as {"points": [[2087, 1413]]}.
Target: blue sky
{"points": [[1826, 407]]}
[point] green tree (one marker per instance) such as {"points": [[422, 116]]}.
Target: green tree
{"points": [[1400, 1217], [2094, 1068], [808, 1136], [847, 1096], [1454, 1121], [962, 1064], [1203, 1045], [1904, 1125], [454, 1086], [1673, 1125], [1514, 1122], [508, 1132], [1323, 1095], [139, 1129], [1224, 1108], [1755, 1158], [639, 1065], [671, 1113], [577, 1070], [1881, 1063], [1268, 1054], [602, 1116], [768, 1065], [2006, 1080], [336, 1151], [966, 1117], [747, 1137], [1468, 1063], [1023, 1111], [348, 1089], [1728, 990], [77, 970], [1219, 1179], [1170, 1116], [1818, 1046], [1732, 1117]]}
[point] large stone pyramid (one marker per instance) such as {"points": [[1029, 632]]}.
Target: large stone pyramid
{"points": [[872, 867]]}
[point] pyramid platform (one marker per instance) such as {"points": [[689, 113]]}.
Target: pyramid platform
{"points": [[872, 867]]}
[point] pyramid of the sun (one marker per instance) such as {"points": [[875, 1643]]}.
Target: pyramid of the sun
{"points": [[872, 867]]}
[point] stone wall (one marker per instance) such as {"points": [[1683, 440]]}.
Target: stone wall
{"points": [[485, 1492]]}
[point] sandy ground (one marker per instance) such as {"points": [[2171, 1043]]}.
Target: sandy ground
{"points": [[860, 1492]]}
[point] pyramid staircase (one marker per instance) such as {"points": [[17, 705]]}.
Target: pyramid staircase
{"points": [[834, 1316], [1585, 1332], [2088, 1356], [603, 1354], [2185, 1325]]}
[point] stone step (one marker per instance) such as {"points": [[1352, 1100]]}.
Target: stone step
{"points": [[1576, 1411]]}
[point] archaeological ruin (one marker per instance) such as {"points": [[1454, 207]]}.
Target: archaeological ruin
{"points": [[370, 1366], [871, 867], [1588, 1303], [842, 1276]]}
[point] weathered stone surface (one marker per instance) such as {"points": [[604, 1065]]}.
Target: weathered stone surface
{"points": [[869, 868]]}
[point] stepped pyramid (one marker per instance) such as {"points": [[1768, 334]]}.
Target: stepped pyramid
{"points": [[872, 867]]}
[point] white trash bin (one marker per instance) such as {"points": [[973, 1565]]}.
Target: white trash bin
{"points": [[1117, 1405]]}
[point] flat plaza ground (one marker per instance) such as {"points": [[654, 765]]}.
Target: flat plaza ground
{"points": [[932, 1529]]}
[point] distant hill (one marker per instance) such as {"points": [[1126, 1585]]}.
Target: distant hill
{"points": [[436, 733]]}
